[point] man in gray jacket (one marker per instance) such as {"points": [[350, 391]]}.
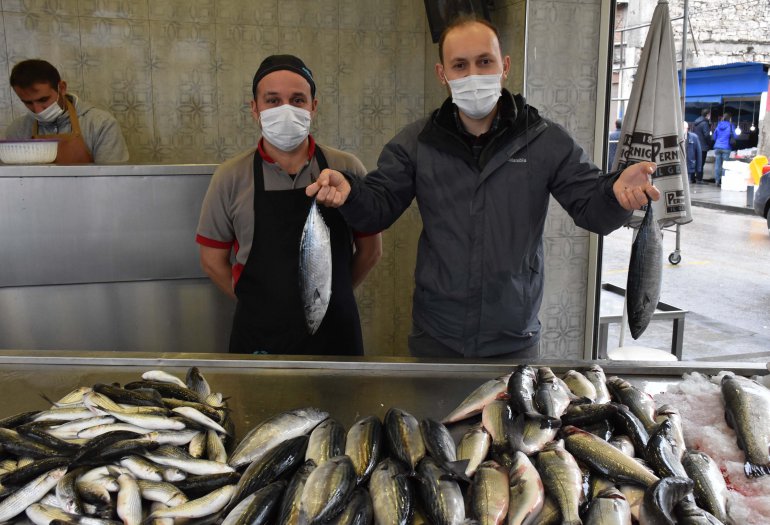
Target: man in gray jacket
{"points": [[482, 168], [86, 134]]}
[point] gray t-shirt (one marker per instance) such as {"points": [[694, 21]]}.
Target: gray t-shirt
{"points": [[227, 214], [101, 132]]}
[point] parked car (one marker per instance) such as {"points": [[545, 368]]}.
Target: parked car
{"points": [[762, 198]]}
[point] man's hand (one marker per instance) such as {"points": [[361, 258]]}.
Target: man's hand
{"points": [[331, 189], [634, 188]]}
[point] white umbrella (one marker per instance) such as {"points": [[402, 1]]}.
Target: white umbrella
{"points": [[652, 131], [652, 126]]}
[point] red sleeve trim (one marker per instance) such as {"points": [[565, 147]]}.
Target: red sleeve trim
{"points": [[211, 243], [361, 235], [237, 271]]}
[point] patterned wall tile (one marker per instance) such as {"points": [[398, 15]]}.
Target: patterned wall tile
{"points": [[410, 16], [368, 15], [410, 67], [563, 85], [320, 52], [127, 91], [136, 9], [256, 12], [318, 14], [183, 66], [179, 11], [239, 51], [48, 7], [57, 40]]}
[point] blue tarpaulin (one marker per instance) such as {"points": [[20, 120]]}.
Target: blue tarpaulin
{"points": [[713, 83]]}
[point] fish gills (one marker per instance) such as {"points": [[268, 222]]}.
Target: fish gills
{"points": [[645, 273], [315, 268]]}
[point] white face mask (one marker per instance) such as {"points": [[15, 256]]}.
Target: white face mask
{"points": [[285, 127], [476, 95], [49, 114]]}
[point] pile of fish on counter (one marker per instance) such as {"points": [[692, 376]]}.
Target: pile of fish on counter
{"points": [[577, 449]]}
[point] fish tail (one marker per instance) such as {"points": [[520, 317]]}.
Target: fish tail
{"points": [[755, 471]]}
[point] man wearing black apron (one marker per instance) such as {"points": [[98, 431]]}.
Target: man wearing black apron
{"points": [[256, 208]]}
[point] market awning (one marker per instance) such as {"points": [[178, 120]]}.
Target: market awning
{"points": [[714, 83]]}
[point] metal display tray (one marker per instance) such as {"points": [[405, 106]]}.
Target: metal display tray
{"points": [[258, 387]]}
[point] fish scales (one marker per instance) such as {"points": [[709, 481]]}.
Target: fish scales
{"points": [[747, 405], [315, 268], [562, 479], [645, 273], [392, 494]]}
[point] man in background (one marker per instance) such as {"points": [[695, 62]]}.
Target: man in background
{"points": [[694, 158], [702, 129], [86, 134], [613, 143]]}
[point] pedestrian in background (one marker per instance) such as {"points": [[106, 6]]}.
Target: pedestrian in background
{"points": [[702, 128], [723, 139], [693, 150], [613, 143]]}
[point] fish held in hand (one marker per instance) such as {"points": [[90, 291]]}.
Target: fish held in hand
{"points": [[645, 273], [315, 268]]}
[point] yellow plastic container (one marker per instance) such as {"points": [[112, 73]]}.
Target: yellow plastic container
{"points": [[755, 168]]}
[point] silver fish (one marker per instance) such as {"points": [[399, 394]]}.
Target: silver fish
{"points": [[197, 446], [475, 401], [148, 421], [170, 456], [67, 493], [315, 268], [273, 431], [441, 496], [289, 511], [661, 498], [640, 403], [129, 500], [98, 430], [141, 468], [197, 383], [645, 273], [579, 384], [392, 493], [490, 494], [521, 389], [327, 490], [529, 433], [473, 447], [662, 454], [497, 418], [155, 505], [608, 508], [552, 396], [358, 510], [596, 376], [162, 492], [200, 418], [327, 440], [438, 441], [163, 377], [747, 404], [605, 459], [527, 494], [670, 413], [205, 506], [32, 492], [215, 449], [404, 437], [710, 488], [634, 495], [624, 444], [562, 479], [260, 508], [96, 401]]}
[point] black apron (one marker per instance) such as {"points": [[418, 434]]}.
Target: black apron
{"points": [[269, 316]]}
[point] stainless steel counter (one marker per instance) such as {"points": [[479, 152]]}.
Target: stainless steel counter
{"points": [[258, 387], [104, 170]]}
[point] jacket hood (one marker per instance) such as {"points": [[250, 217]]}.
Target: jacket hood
{"points": [[724, 125]]}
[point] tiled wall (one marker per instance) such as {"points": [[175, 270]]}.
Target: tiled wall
{"points": [[177, 75], [562, 68]]}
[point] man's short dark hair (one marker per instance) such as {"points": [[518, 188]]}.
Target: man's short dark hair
{"points": [[704, 112], [463, 20], [727, 116], [29, 72], [619, 123]]}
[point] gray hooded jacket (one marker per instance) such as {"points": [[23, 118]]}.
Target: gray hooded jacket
{"points": [[101, 132], [479, 273]]}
